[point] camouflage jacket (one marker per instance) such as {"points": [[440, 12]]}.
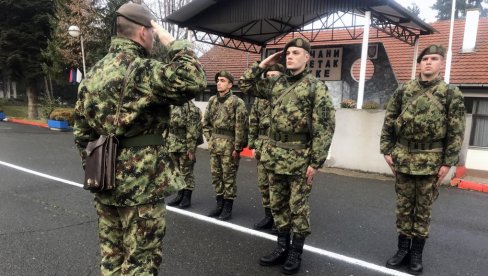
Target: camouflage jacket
{"points": [[306, 110], [259, 123], [185, 127], [225, 124], [423, 121], [143, 174]]}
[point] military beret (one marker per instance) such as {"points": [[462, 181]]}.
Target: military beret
{"points": [[224, 74], [276, 67], [430, 50], [136, 13], [298, 42]]}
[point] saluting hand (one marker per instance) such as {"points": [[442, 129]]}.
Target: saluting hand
{"points": [[271, 60], [164, 36]]}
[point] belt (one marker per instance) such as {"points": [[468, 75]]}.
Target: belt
{"points": [[263, 137], [177, 131], [223, 132], [287, 145], [289, 137], [414, 146], [263, 131], [142, 141]]}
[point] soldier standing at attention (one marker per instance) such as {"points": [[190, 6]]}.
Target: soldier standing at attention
{"points": [[421, 139], [301, 127], [185, 130], [225, 126], [258, 137], [131, 222]]}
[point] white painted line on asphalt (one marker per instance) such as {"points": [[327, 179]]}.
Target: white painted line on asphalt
{"points": [[41, 174], [239, 228]]}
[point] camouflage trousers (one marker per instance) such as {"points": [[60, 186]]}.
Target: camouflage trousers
{"points": [[186, 165], [415, 196], [131, 238], [224, 172], [289, 203], [263, 184]]}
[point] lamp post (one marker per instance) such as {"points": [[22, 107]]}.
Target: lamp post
{"points": [[74, 31]]}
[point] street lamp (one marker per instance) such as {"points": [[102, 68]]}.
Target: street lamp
{"points": [[74, 31]]}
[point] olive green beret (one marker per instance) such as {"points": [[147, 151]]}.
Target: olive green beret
{"points": [[224, 74], [276, 67], [298, 42], [136, 13], [430, 50]]}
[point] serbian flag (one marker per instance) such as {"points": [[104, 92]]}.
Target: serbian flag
{"points": [[75, 76]]}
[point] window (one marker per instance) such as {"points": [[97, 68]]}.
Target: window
{"points": [[479, 128]]}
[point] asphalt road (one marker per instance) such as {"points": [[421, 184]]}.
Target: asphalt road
{"points": [[48, 227]]}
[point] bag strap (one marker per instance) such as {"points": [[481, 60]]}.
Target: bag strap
{"points": [[290, 88], [122, 94], [412, 100]]}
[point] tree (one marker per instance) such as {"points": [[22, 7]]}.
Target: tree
{"points": [[413, 8], [444, 8], [24, 31]]}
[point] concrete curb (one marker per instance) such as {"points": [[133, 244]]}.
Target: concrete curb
{"points": [[457, 181]]}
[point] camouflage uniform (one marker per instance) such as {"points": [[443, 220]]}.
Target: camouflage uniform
{"points": [[225, 126], [437, 126], [185, 128], [258, 137], [132, 215], [301, 127]]}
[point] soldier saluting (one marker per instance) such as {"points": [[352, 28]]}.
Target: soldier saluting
{"points": [[301, 127], [421, 139], [128, 94]]}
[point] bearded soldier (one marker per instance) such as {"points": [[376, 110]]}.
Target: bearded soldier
{"points": [[421, 140], [301, 127], [127, 94]]}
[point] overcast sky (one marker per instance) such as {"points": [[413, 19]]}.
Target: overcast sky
{"points": [[426, 13]]}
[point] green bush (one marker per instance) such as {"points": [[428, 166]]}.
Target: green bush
{"points": [[63, 114], [371, 105], [348, 103], [47, 106]]}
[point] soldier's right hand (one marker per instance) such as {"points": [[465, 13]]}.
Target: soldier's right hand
{"points": [[390, 163], [271, 60], [164, 36]]}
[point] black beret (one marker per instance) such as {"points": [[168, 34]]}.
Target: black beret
{"points": [[430, 50], [136, 13], [298, 42], [224, 74]]}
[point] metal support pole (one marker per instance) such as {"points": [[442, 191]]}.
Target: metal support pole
{"points": [[447, 73], [415, 54], [83, 56], [364, 59]]}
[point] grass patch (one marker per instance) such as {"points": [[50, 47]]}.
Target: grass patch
{"points": [[19, 112]]}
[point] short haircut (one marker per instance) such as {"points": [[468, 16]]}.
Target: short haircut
{"points": [[126, 28]]}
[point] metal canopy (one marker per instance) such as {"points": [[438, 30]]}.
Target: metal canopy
{"points": [[250, 25]]}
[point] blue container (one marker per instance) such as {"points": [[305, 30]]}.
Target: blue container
{"points": [[2, 116], [57, 124]]}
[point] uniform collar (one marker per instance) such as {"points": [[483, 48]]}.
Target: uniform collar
{"points": [[423, 83], [294, 78], [224, 97], [127, 46]]}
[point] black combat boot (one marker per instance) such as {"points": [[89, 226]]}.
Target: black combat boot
{"points": [[175, 201], [218, 209], [227, 211], [294, 259], [416, 256], [402, 256], [274, 229], [279, 254], [186, 201], [266, 222]]}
